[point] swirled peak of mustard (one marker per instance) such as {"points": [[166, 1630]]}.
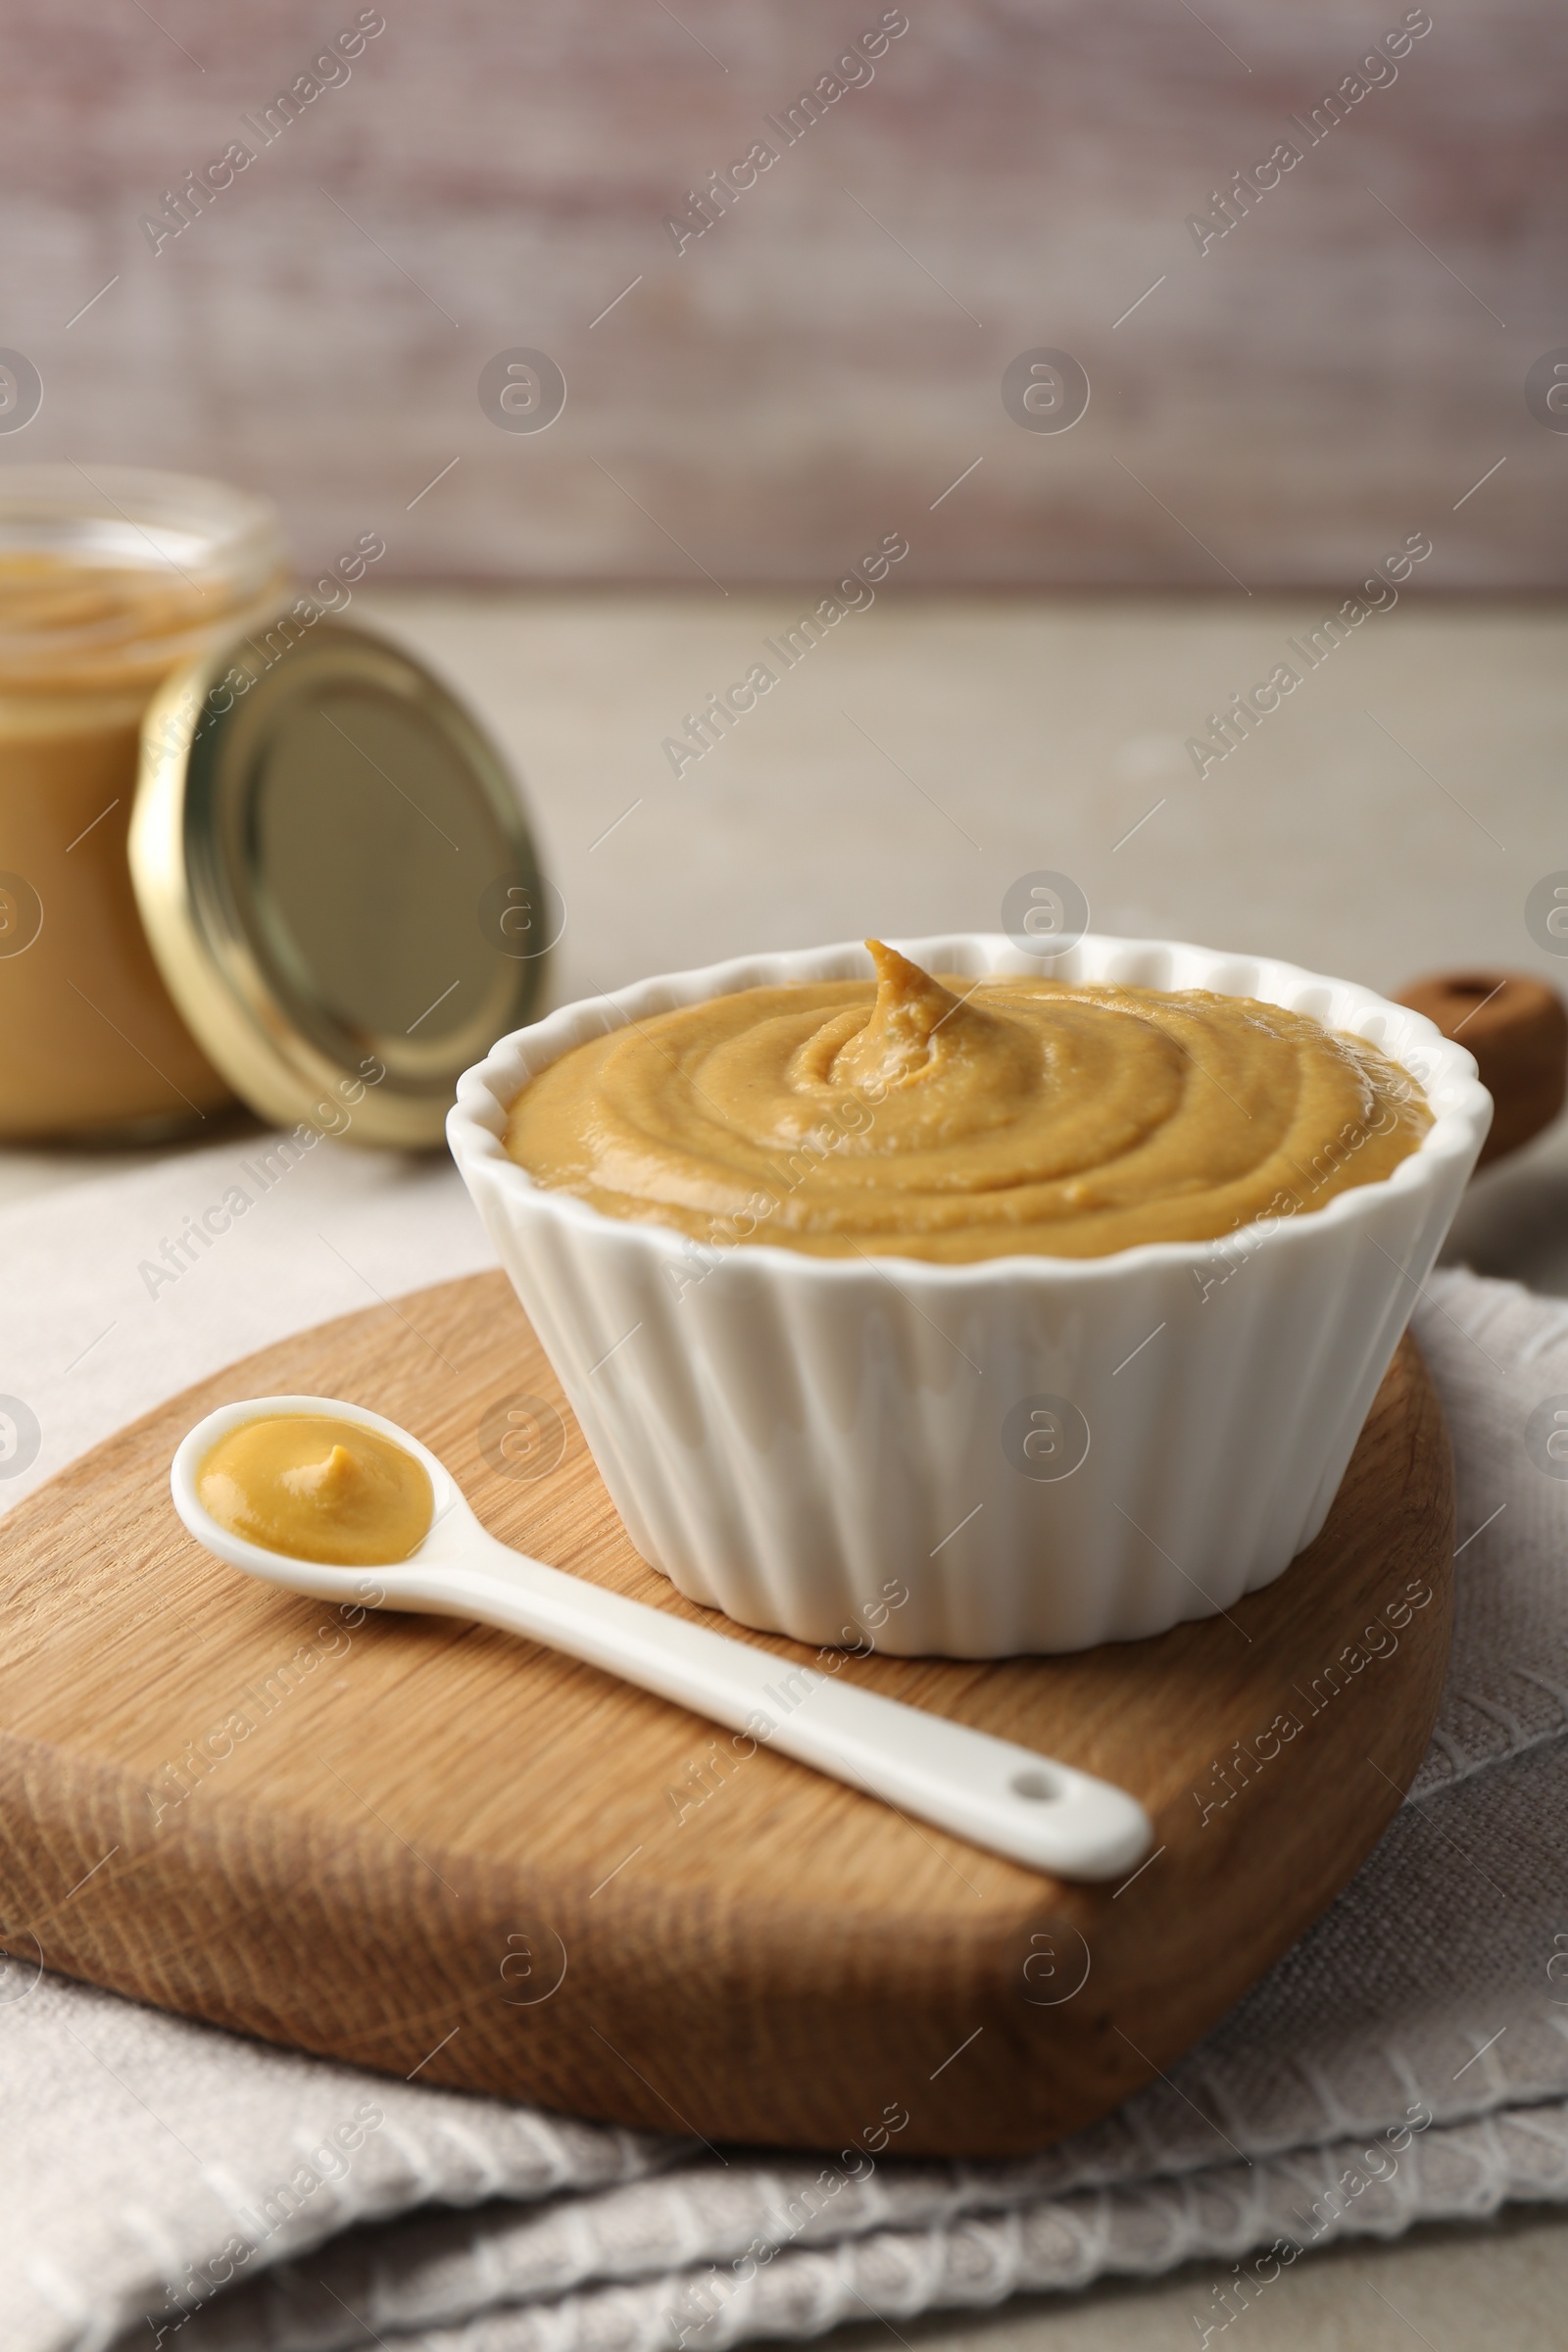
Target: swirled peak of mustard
{"points": [[949, 1118], [318, 1489]]}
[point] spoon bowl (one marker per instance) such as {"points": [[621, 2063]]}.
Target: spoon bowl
{"points": [[1005, 1797]]}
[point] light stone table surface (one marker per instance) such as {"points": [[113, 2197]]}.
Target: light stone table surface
{"points": [[1390, 818]]}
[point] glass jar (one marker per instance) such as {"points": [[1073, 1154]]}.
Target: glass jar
{"points": [[108, 582]]}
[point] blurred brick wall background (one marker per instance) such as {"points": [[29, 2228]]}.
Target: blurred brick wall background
{"points": [[817, 370]]}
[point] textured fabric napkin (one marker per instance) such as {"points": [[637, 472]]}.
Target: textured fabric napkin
{"points": [[163, 2184]]}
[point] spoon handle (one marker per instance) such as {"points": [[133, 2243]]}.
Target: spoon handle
{"points": [[1005, 1797]]}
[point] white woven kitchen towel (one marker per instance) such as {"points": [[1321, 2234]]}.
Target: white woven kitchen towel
{"points": [[1407, 2061]]}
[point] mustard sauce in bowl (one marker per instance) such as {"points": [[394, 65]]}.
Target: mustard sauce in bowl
{"points": [[951, 1119]]}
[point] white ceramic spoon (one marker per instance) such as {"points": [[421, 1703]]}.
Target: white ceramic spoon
{"points": [[1008, 1799]]}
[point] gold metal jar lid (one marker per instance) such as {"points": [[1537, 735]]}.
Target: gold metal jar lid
{"points": [[337, 878]]}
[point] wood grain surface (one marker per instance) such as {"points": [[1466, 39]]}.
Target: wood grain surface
{"points": [[1517, 1029], [431, 1848], [1280, 405]]}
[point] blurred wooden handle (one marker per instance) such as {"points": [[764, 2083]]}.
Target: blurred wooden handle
{"points": [[1517, 1029]]}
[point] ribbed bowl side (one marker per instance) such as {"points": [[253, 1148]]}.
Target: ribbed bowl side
{"points": [[793, 1441]]}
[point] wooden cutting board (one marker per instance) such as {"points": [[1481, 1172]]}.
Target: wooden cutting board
{"points": [[432, 1849]]}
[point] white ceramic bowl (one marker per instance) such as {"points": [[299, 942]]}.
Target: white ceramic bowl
{"points": [[1041, 1453]]}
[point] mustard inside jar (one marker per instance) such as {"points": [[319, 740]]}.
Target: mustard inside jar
{"points": [[108, 581]]}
